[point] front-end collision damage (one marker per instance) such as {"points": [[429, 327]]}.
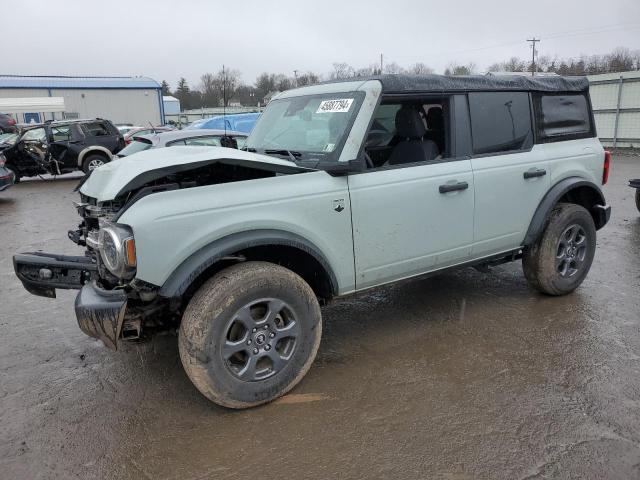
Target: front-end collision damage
{"points": [[113, 305]]}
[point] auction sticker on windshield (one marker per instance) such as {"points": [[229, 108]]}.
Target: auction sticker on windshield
{"points": [[339, 105]]}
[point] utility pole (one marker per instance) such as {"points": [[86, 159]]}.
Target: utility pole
{"points": [[295, 75], [380, 64], [533, 41]]}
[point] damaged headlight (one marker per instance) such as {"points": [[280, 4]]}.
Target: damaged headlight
{"points": [[117, 249]]}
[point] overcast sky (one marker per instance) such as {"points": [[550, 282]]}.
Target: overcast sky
{"points": [[169, 39]]}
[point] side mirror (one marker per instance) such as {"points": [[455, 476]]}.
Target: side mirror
{"points": [[340, 169]]}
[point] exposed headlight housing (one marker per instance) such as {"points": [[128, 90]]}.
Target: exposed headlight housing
{"points": [[117, 249]]}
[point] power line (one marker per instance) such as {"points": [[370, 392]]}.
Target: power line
{"points": [[550, 36]]}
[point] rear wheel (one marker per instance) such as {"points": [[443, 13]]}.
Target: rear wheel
{"points": [[561, 258], [250, 334], [92, 162], [16, 176]]}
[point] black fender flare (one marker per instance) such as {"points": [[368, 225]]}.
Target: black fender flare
{"points": [[182, 277], [600, 211]]}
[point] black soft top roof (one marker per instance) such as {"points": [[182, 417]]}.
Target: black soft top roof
{"points": [[458, 83]]}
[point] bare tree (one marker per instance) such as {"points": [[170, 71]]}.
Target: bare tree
{"points": [[210, 93], [455, 69], [308, 78], [393, 67], [227, 82], [342, 70], [420, 68]]}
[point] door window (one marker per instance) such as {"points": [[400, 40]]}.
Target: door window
{"points": [[61, 133], [95, 129], [500, 122], [203, 141], [562, 117], [427, 140]]}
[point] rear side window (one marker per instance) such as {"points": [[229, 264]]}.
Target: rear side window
{"points": [[563, 117], [203, 141], [500, 122], [138, 145], [95, 130]]}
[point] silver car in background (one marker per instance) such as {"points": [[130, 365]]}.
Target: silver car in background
{"points": [[202, 138]]}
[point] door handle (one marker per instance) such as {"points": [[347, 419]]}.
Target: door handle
{"points": [[538, 172], [452, 187]]}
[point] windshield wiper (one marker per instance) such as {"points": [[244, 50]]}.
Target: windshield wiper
{"points": [[292, 154]]}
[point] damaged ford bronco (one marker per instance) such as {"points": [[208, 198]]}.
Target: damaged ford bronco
{"points": [[64, 146], [341, 187]]}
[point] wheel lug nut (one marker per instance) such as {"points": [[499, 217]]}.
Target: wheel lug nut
{"points": [[272, 335], [267, 347], [255, 350], [266, 327], [254, 330], [248, 342]]}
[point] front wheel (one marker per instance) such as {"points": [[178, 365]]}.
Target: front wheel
{"points": [[250, 334], [561, 258]]}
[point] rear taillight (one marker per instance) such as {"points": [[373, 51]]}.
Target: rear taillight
{"points": [[606, 167]]}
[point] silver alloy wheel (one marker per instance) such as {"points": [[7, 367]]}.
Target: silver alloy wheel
{"points": [[571, 251], [95, 163], [260, 339]]}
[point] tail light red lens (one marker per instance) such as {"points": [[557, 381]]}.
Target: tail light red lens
{"points": [[606, 167]]}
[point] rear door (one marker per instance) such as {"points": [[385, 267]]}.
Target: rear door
{"points": [[97, 133], [510, 175]]}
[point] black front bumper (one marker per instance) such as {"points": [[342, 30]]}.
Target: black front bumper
{"points": [[42, 273], [100, 312]]}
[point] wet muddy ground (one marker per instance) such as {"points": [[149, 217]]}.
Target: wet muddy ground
{"points": [[464, 375]]}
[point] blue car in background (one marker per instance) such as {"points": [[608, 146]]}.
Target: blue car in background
{"points": [[239, 122]]}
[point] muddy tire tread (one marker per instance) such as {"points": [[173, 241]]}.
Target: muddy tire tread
{"points": [[210, 302]]}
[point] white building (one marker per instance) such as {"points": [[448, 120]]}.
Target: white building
{"points": [[135, 100], [616, 108], [171, 105]]}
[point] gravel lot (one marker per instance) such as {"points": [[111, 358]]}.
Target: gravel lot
{"points": [[464, 375]]}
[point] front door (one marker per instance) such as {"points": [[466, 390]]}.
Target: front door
{"points": [[410, 220]]}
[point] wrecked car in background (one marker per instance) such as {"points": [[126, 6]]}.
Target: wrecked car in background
{"points": [[60, 147], [342, 187]]}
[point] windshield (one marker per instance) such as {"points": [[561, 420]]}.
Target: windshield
{"points": [[311, 124], [138, 145]]}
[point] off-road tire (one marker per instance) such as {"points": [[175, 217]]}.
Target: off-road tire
{"points": [[91, 159], [205, 323], [638, 199], [539, 260]]}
